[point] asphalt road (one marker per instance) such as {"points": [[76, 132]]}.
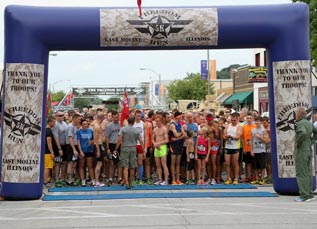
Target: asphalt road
{"points": [[264, 212]]}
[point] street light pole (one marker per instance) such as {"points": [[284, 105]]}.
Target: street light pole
{"points": [[56, 82], [208, 72], [159, 83]]}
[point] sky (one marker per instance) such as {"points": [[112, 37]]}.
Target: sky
{"points": [[69, 69]]}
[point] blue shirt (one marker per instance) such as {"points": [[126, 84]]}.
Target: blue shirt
{"points": [[84, 136]]}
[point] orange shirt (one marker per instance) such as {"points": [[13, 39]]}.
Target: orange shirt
{"points": [[149, 128], [246, 136]]}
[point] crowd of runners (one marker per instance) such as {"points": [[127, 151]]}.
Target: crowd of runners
{"points": [[93, 147]]}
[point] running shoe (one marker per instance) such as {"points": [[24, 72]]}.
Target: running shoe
{"points": [[109, 183], [179, 182], [213, 182], [77, 181], [300, 199], [157, 182], [261, 182], [119, 181], [63, 182], [149, 181], [58, 184], [269, 181], [140, 183], [174, 183], [163, 183], [83, 183], [228, 181], [254, 182], [235, 182], [98, 184], [71, 183]]}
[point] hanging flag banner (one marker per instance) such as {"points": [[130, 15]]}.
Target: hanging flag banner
{"points": [[159, 27], [156, 89], [292, 89], [125, 108], [22, 123], [203, 69]]}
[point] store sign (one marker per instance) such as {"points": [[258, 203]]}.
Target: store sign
{"points": [[257, 75]]}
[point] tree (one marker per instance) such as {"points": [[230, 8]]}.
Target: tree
{"points": [[80, 103], [191, 87], [225, 72], [313, 28], [58, 96]]}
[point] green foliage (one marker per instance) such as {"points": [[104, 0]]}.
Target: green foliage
{"points": [[313, 28], [225, 72], [191, 87], [58, 96], [80, 103], [113, 103]]}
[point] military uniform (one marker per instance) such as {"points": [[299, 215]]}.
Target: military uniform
{"points": [[304, 131]]}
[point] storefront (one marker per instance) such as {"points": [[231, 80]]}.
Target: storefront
{"points": [[263, 100], [239, 100]]}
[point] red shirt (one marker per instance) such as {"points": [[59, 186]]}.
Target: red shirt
{"points": [[202, 145]]}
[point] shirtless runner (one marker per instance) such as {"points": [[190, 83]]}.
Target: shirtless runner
{"points": [[159, 140]]}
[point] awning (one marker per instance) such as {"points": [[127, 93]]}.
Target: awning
{"points": [[245, 97], [222, 97]]}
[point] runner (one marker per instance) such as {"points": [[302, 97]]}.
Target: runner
{"points": [[232, 135], [128, 137], [159, 140], [100, 147], [72, 149], [176, 134], [59, 132], [112, 132], [141, 150], [85, 137], [246, 142]]}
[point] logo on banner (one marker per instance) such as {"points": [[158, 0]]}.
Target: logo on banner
{"points": [[24, 122], [287, 117], [159, 25]]}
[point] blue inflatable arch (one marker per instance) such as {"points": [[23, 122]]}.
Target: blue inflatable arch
{"points": [[32, 32]]}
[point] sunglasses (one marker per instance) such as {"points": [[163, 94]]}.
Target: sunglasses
{"points": [[60, 115]]}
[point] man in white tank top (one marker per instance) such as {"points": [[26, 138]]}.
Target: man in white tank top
{"points": [[232, 135]]}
